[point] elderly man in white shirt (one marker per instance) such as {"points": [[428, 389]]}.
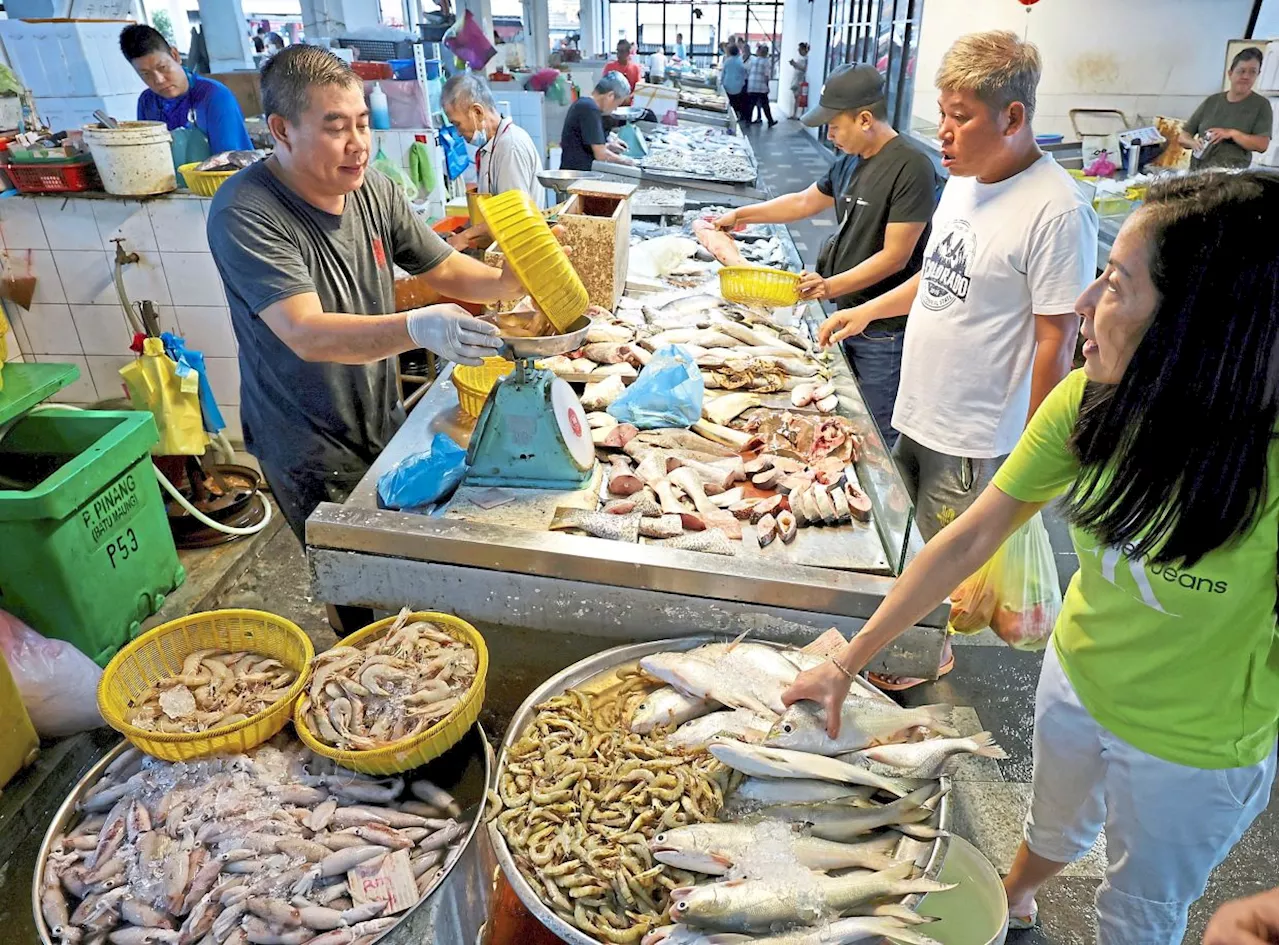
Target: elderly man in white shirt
{"points": [[506, 157]]}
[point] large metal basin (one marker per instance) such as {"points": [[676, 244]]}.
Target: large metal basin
{"points": [[455, 907], [931, 854]]}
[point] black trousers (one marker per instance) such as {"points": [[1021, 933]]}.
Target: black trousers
{"points": [[760, 103]]}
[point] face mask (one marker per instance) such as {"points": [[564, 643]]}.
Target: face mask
{"points": [[479, 139]]}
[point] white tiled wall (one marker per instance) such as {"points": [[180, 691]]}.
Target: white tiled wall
{"points": [[75, 316]]}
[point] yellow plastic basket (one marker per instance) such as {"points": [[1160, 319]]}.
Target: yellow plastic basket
{"points": [[474, 383], [756, 285], [159, 653], [203, 183], [427, 745], [536, 256]]}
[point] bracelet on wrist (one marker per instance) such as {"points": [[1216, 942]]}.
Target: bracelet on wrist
{"points": [[843, 669]]}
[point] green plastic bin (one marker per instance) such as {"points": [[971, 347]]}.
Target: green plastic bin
{"points": [[86, 553]]}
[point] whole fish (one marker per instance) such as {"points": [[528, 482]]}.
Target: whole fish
{"points": [[598, 524], [742, 724], [842, 822], [714, 849], [924, 759], [745, 675], [840, 932], [862, 721], [668, 706], [767, 762], [754, 905], [798, 791]]}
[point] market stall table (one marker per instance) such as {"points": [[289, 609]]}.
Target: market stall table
{"points": [[506, 569]]}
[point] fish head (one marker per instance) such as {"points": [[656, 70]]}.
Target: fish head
{"points": [[687, 849], [658, 708], [732, 905], [800, 728]]}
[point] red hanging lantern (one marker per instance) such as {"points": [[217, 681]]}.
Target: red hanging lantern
{"points": [[1028, 3]]}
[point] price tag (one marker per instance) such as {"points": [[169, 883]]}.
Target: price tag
{"points": [[388, 880]]}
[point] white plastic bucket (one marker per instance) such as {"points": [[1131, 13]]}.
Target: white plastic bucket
{"points": [[134, 159]]}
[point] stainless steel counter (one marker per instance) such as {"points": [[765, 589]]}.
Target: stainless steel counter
{"points": [[561, 583]]}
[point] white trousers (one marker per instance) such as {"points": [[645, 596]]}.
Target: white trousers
{"points": [[1167, 825]]}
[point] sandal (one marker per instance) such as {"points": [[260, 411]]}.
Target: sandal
{"points": [[903, 683], [1020, 923]]}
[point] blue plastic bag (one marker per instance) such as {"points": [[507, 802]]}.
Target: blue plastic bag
{"points": [[188, 359], [421, 478], [668, 393], [454, 146]]}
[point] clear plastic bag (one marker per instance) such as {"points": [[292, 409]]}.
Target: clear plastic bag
{"points": [[422, 478], [58, 683], [668, 393], [1016, 593]]}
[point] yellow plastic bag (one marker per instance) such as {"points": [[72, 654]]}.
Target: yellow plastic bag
{"points": [[1016, 593], [155, 384]]}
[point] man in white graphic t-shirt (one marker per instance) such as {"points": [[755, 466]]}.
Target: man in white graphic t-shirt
{"points": [[992, 325]]}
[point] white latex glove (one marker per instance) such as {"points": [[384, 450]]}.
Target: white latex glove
{"points": [[454, 333]]}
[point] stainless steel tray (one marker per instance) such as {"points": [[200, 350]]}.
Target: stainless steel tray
{"points": [[467, 786], [930, 860]]}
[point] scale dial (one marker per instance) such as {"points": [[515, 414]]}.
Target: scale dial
{"points": [[572, 421]]}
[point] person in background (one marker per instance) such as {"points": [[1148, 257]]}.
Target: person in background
{"points": [[202, 114], [1229, 126], [1250, 920], [275, 43], [992, 326], [681, 54], [759, 75], [624, 64], [658, 66], [799, 73], [583, 139], [506, 157], [733, 79], [1157, 704], [305, 243], [883, 189], [259, 46]]}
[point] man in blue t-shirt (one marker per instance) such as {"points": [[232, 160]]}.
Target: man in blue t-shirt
{"points": [[202, 114]]}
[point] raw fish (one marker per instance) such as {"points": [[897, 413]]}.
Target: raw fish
{"points": [[715, 848], [862, 721], [798, 791], [766, 762], [668, 706], [927, 758], [842, 821], [742, 724], [719, 244], [712, 541], [598, 524]]}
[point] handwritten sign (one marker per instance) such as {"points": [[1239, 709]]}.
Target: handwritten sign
{"points": [[388, 880], [826, 645]]}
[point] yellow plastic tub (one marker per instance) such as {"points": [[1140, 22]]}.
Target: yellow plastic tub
{"points": [[429, 744], [203, 183], [18, 742], [756, 285], [474, 383], [536, 256], [159, 653]]}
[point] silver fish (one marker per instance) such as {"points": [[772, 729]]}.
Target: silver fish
{"points": [[745, 675], [767, 762], [842, 822], [840, 932], [924, 759], [798, 791], [759, 905], [668, 706], [598, 524], [714, 848], [742, 724], [862, 721]]}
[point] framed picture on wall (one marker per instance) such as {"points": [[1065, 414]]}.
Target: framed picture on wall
{"points": [[1269, 77]]}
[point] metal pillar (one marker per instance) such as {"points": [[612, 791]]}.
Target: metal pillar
{"points": [[226, 35]]}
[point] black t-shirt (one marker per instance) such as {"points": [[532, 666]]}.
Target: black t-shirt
{"points": [[583, 127], [897, 185]]}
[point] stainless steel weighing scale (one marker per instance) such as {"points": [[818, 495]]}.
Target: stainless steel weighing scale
{"points": [[532, 432]]}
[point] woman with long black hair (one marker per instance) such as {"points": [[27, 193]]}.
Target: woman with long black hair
{"points": [[1156, 711]]}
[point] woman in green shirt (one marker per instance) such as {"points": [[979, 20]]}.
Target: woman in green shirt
{"points": [[1156, 712]]}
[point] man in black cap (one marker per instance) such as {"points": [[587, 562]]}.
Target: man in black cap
{"points": [[883, 188]]}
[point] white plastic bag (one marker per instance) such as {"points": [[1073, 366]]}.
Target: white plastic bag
{"points": [[58, 683]]}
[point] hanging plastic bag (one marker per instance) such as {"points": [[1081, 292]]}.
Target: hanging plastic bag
{"points": [[171, 391], [1016, 593], [396, 174], [468, 42], [668, 392], [58, 684], [176, 348], [421, 478], [455, 152]]}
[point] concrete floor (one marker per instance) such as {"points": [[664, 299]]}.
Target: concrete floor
{"points": [[994, 683]]}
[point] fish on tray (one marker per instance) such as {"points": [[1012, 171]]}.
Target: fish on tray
{"points": [[924, 759], [842, 821], [772, 791], [855, 929], [668, 706], [759, 905], [742, 675], [598, 524], [761, 761], [742, 724], [719, 244], [716, 848], [862, 721]]}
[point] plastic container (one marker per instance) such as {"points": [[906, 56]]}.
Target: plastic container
{"points": [[757, 285], [133, 159], [536, 255], [159, 653], [69, 177], [474, 383], [427, 745], [404, 69], [97, 557], [203, 183], [379, 110], [19, 743], [371, 71]]}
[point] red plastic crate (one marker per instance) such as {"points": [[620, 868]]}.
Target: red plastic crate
{"points": [[54, 178], [372, 71]]}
